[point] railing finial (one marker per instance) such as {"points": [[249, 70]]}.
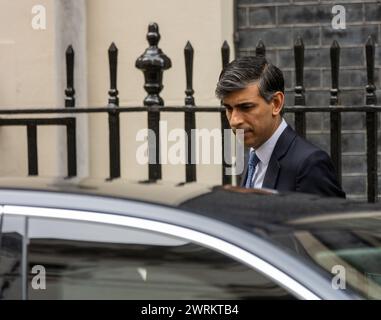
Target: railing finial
{"points": [[299, 71], [70, 91], [371, 98], [335, 68], [153, 35], [188, 55], [113, 64], [153, 62], [225, 54], [260, 50]]}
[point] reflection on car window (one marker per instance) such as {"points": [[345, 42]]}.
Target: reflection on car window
{"points": [[11, 238], [351, 242], [125, 263]]}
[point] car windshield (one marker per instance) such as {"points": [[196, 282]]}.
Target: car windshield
{"points": [[347, 246]]}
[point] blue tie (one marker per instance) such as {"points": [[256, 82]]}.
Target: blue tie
{"points": [[253, 161]]}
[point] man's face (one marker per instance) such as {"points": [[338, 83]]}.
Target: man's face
{"points": [[247, 110]]}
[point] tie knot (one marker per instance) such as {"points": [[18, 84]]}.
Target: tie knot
{"points": [[253, 160]]}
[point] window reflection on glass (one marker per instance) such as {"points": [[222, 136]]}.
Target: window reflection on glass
{"points": [[11, 238], [93, 261], [351, 240]]}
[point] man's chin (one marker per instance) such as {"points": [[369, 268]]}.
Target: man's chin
{"points": [[249, 143]]}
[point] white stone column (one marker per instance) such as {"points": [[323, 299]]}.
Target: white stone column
{"points": [[70, 29]]}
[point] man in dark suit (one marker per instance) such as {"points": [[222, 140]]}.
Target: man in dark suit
{"points": [[252, 90]]}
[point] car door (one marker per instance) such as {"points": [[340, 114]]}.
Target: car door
{"points": [[70, 254]]}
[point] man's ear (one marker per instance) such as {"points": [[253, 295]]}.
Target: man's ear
{"points": [[277, 103]]}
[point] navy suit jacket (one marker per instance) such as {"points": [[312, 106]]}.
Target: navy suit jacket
{"points": [[298, 165]]}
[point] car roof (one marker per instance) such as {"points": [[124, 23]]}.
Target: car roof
{"points": [[247, 210], [161, 192]]}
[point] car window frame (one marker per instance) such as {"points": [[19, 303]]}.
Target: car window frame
{"points": [[171, 250], [228, 249], [299, 270]]}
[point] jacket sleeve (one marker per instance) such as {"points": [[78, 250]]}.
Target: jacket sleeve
{"points": [[317, 175]]}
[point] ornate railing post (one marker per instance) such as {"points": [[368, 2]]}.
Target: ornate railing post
{"points": [[300, 117], [225, 127], [113, 115], [189, 115], [335, 115], [371, 123], [153, 62]]}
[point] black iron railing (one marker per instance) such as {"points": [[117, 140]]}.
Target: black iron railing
{"points": [[153, 62]]}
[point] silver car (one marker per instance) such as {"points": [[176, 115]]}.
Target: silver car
{"points": [[96, 239]]}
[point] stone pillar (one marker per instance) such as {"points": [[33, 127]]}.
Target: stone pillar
{"points": [[70, 29]]}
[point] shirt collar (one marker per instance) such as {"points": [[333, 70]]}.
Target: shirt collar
{"points": [[265, 151]]}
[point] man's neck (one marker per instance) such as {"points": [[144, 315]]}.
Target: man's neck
{"points": [[276, 126]]}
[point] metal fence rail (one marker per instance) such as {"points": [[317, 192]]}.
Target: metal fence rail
{"points": [[32, 125], [153, 62]]}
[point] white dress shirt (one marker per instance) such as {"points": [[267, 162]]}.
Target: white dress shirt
{"points": [[264, 153]]}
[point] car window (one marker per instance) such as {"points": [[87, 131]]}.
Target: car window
{"points": [[11, 244], [347, 246], [81, 260]]}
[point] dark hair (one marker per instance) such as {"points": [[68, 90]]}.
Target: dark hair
{"points": [[241, 72]]}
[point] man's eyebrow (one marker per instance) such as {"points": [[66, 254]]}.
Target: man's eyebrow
{"points": [[245, 104], [240, 105]]}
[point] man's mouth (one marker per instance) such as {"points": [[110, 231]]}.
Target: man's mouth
{"points": [[248, 132], [245, 131]]}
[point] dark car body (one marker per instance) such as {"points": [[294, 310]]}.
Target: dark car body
{"points": [[96, 239]]}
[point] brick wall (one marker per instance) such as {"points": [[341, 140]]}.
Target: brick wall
{"points": [[278, 23]]}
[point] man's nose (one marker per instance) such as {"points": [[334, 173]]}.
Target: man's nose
{"points": [[236, 119]]}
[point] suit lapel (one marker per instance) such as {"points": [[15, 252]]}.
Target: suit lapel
{"points": [[244, 173], [271, 174], [281, 147]]}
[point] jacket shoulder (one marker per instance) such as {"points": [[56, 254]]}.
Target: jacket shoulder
{"points": [[300, 149]]}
